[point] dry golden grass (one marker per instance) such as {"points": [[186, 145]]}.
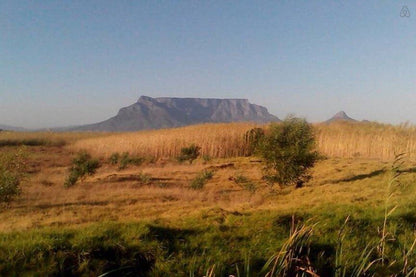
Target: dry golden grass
{"points": [[117, 195], [215, 140], [343, 139], [369, 140], [340, 186], [48, 138]]}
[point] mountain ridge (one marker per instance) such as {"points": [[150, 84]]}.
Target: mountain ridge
{"points": [[168, 112], [4, 127]]}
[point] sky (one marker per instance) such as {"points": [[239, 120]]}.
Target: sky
{"points": [[76, 62]]}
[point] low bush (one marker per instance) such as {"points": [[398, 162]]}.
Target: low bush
{"points": [[145, 178], [189, 153], [245, 183], [9, 186], [206, 158], [114, 158], [82, 165], [201, 179], [125, 159], [12, 171]]}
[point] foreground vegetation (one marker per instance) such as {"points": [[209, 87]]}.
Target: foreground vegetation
{"points": [[232, 242], [216, 216], [342, 139]]}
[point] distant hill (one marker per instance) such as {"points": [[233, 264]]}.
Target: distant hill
{"points": [[10, 128], [340, 116], [167, 112]]}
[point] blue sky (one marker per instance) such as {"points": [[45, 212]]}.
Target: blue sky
{"points": [[75, 62]]}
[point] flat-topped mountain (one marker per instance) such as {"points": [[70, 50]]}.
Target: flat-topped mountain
{"points": [[167, 112], [340, 116]]}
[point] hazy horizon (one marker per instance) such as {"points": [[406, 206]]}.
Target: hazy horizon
{"points": [[64, 64]]}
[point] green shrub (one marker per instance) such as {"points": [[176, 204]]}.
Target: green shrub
{"points": [[114, 158], [289, 151], [189, 153], [126, 159], [136, 160], [206, 158], [82, 165], [245, 183], [145, 178], [71, 179], [9, 186], [12, 171], [201, 179]]}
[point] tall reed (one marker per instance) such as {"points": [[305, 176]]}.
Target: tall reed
{"points": [[342, 139], [215, 140]]}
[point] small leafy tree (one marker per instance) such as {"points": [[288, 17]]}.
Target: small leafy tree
{"points": [[288, 149], [82, 165], [12, 171], [189, 153]]}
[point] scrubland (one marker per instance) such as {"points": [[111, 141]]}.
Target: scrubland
{"points": [[147, 218]]}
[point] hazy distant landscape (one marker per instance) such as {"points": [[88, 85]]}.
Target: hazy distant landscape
{"points": [[207, 138], [167, 112]]}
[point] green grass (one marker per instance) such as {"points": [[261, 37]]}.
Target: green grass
{"points": [[194, 244], [225, 241]]}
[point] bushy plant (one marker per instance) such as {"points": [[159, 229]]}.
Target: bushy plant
{"points": [[83, 164], [201, 179], [245, 183], [114, 158], [145, 178], [189, 153], [126, 159], [206, 158], [12, 171], [9, 186], [288, 149]]}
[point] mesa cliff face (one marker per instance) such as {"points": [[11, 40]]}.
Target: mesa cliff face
{"points": [[167, 112]]}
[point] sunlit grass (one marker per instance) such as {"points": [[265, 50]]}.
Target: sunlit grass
{"points": [[343, 139], [149, 210]]}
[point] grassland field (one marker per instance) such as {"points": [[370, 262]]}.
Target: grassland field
{"points": [[147, 218]]}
